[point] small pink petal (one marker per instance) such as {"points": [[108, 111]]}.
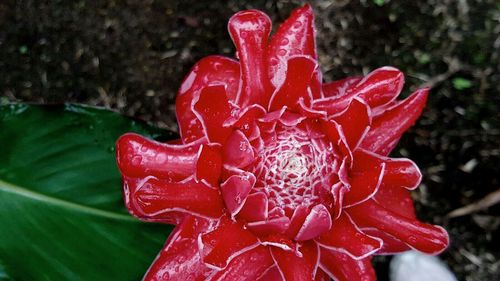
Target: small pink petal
{"points": [[237, 151], [250, 30], [235, 191], [350, 269], [316, 223]]}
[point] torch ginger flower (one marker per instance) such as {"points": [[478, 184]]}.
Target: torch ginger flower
{"points": [[277, 176]]}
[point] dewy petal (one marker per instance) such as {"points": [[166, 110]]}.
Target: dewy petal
{"points": [[255, 207], [179, 259], [273, 274], [157, 198], [388, 127], [364, 184], [297, 266], [401, 172], [296, 36], [390, 245], [227, 241], [270, 226], [250, 31], [430, 239], [339, 88], [235, 191], [212, 70], [140, 157], [342, 267], [344, 236], [237, 151], [380, 86], [295, 85], [249, 266], [397, 199], [209, 165], [355, 122], [213, 109], [317, 222]]}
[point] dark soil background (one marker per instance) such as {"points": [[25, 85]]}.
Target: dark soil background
{"points": [[132, 55]]}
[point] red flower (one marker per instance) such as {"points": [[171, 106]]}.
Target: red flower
{"points": [[277, 176]]}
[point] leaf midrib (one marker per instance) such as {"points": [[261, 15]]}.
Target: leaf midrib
{"points": [[20, 191]]}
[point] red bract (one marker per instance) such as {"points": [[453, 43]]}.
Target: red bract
{"points": [[277, 176]]}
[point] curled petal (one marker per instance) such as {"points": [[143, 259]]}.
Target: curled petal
{"points": [[400, 172], [430, 239], [346, 237], [235, 191], [248, 266], [270, 226], [387, 128], [390, 245], [209, 165], [299, 216], [181, 243], [295, 85], [255, 207], [250, 31], [140, 157], [297, 266], [380, 86], [364, 185], [212, 70], [246, 119], [156, 198], [226, 242], [334, 133], [339, 88], [237, 151], [350, 269], [317, 222], [213, 108], [355, 122]]}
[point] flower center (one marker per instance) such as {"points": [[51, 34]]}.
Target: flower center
{"points": [[293, 168]]}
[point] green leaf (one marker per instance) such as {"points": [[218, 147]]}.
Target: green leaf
{"points": [[461, 83], [61, 210]]}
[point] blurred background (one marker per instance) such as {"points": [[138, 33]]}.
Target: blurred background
{"points": [[131, 56]]}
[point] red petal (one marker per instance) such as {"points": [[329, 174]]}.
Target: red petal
{"points": [[209, 165], [271, 226], [297, 268], [334, 133], [380, 86], [140, 157], [321, 276], [248, 266], [387, 128], [400, 172], [157, 198], [424, 237], [210, 70], [299, 216], [255, 207], [364, 184], [355, 122], [237, 151], [250, 31], [317, 222], [213, 109], [339, 88], [246, 120], [226, 242], [398, 199], [346, 237], [273, 274], [235, 191], [341, 267], [179, 259], [296, 36], [294, 87], [390, 244]]}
